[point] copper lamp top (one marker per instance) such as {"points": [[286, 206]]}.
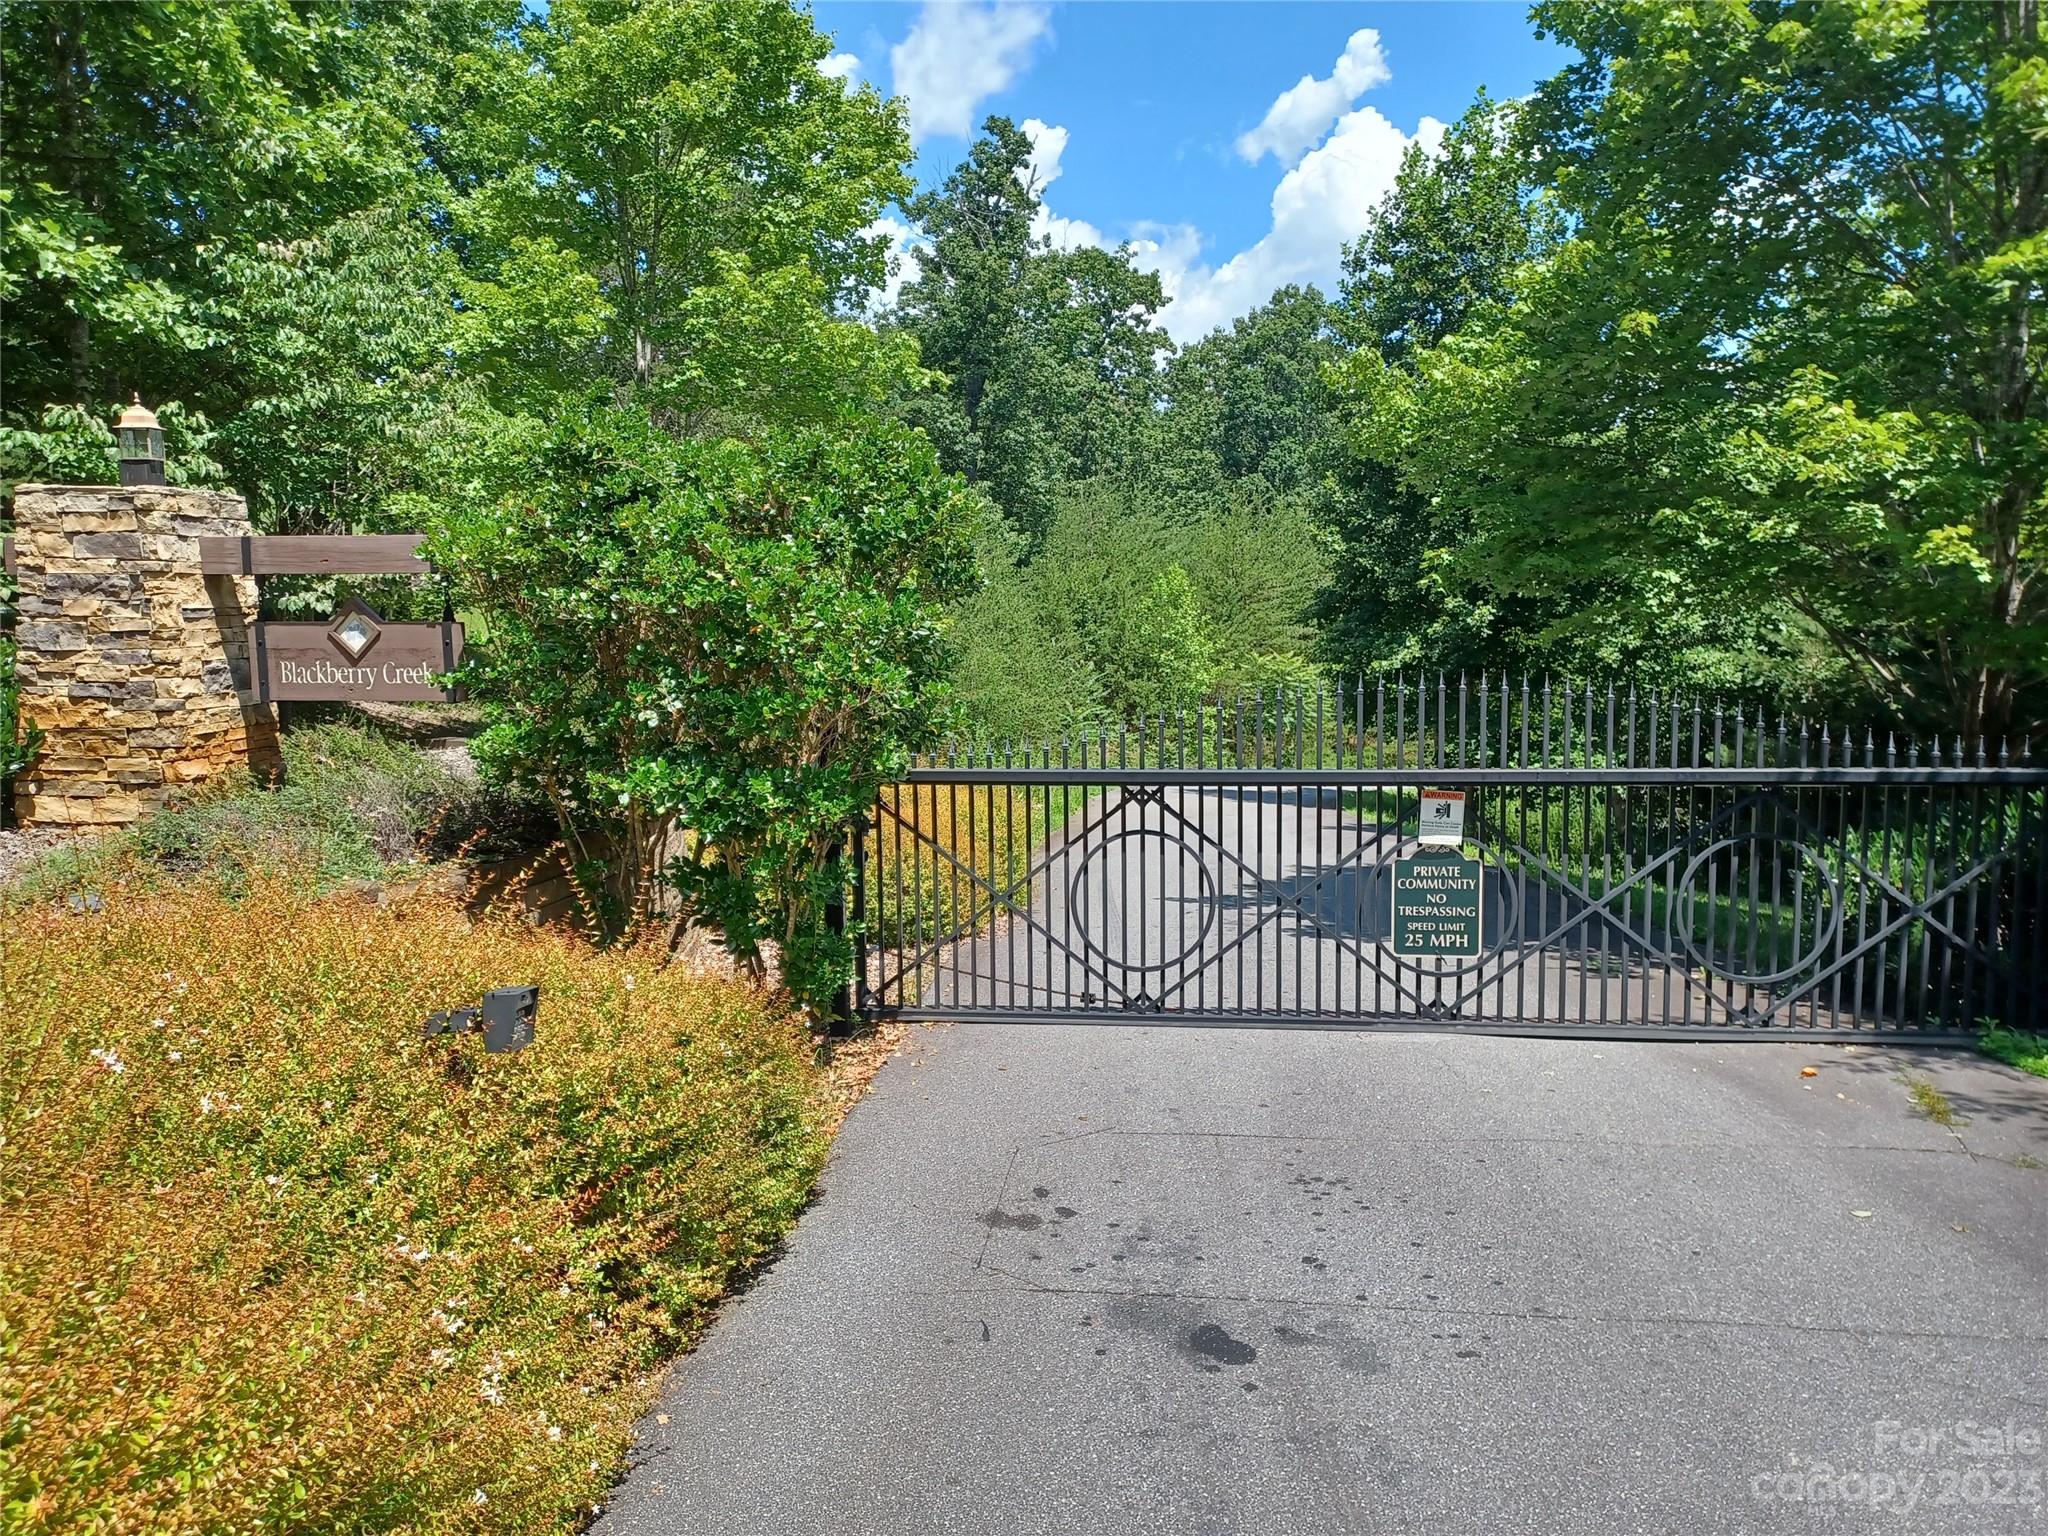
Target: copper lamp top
{"points": [[137, 415]]}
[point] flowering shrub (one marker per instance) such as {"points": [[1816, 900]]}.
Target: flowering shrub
{"points": [[270, 1261], [739, 639]]}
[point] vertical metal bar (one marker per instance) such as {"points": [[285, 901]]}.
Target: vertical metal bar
{"points": [[1976, 1001], [961, 927], [1891, 978], [1060, 888], [1862, 892], [1585, 869], [1442, 711], [1523, 959], [1008, 867], [1607, 867], [1314, 932], [1681, 837], [1400, 721], [2038, 950], [1303, 931], [924, 902], [1461, 716], [1952, 805], [859, 990], [1259, 869], [1248, 900]]}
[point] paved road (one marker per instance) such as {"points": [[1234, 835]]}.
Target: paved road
{"points": [[1082, 1279]]}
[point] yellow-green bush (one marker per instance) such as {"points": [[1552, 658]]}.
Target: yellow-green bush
{"points": [[271, 1262]]}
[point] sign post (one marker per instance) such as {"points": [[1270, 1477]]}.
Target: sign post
{"points": [[1438, 904]]}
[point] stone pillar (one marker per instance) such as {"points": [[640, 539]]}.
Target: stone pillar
{"points": [[135, 666]]}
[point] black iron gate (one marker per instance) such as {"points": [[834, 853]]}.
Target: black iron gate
{"points": [[1627, 866]]}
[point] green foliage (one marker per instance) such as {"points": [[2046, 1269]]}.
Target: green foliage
{"points": [[1775, 393], [272, 1263], [677, 205], [351, 803], [1456, 225], [19, 741], [1249, 403], [2016, 1048], [71, 445], [228, 205], [737, 638], [1121, 615], [1049, 357]]}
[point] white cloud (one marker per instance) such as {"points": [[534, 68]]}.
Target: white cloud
{"points": [[1322, 204], [1048, 144], [1301, 113], [904, 243], [841, 66], [1332, 188], [959, 54]]}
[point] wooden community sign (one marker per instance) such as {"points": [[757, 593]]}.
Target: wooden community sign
{"points": [[356, 656]]}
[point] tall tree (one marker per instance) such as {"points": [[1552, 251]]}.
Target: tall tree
{"points": [[1251, 401], [1785, 359], [1049, 357], [227, 206], [1456, 225], [680, 214]]}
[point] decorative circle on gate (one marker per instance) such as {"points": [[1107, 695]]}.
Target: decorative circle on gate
{"points": [[1765, 897], [1156, 873], [1503, 923]]}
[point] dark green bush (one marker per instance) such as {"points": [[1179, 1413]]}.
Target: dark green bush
{"points": [[707, 656]]}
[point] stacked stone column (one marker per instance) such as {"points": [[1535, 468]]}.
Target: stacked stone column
{"points": [[135, 666]]}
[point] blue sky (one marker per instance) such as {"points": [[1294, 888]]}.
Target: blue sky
{"points": [[1237, 145]]}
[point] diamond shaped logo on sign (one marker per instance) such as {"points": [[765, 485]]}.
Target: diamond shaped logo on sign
{"points": [[356, 630]]}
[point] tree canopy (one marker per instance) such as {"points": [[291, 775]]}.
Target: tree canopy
{"points": [[1773, 397]]}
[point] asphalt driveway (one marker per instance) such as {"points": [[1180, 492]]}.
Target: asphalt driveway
{"points": [[1085, 1279]]}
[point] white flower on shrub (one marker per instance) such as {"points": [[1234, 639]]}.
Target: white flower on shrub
{"points": [[491, 1382], [109, 1058]]}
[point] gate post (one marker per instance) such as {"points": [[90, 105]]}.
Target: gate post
{"points": [[132, 660], [841, 1023]]}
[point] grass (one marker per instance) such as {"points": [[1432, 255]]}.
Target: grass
{"points": [[1930, 1100], [271, 1262], [914, 891], [353, 803], [2016, 1048]]}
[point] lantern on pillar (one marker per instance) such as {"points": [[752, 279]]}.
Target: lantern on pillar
{"points": [[142, 445]]}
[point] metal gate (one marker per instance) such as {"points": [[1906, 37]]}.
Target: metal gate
{"points": [[1627, 866]]}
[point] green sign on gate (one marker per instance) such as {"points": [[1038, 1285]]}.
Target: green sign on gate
{"points": [[1437, 905]]}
